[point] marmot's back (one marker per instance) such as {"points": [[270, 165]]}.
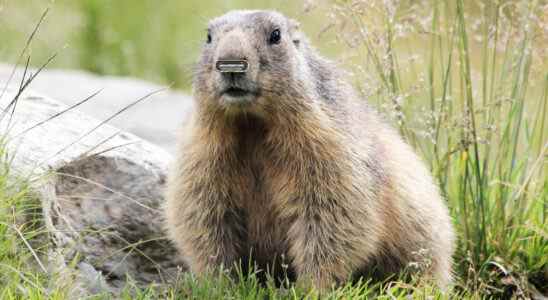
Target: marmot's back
{"points": [[284, 165]]}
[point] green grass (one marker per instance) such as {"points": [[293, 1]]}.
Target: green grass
{"points": [[466, 84], [22, 247], [478, 120]]}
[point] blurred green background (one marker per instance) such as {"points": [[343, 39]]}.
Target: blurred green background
{"points": [[154, 40], [159, 40]]}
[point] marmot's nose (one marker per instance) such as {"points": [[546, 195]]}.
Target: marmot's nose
{"points": [[233, 53], [232, 65]]}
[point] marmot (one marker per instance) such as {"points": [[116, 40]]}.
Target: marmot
{"points": [[283, 163]]}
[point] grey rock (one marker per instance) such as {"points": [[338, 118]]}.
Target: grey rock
{"points": [[157, 119], [101, 196]]}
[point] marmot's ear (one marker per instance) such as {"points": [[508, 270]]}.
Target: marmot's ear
{"points": [[294, 28]]}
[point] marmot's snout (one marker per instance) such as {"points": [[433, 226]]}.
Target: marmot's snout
{"points": [[236, 67]]}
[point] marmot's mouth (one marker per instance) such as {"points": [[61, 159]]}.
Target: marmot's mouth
{"points": [[236, 92]]}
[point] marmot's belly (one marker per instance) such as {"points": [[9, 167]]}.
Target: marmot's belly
{"points": [[266, 240]]}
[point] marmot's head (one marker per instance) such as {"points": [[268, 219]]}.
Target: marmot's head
{"points": [[249, 60]]}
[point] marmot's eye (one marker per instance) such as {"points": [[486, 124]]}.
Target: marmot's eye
{"points": [[208, 37], [275, 37]]}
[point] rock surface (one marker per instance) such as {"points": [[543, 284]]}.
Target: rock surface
{"points": [[156, 120], [101, 196]]}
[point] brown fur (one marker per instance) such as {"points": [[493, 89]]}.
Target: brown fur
{"points": [[306, 171]]}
